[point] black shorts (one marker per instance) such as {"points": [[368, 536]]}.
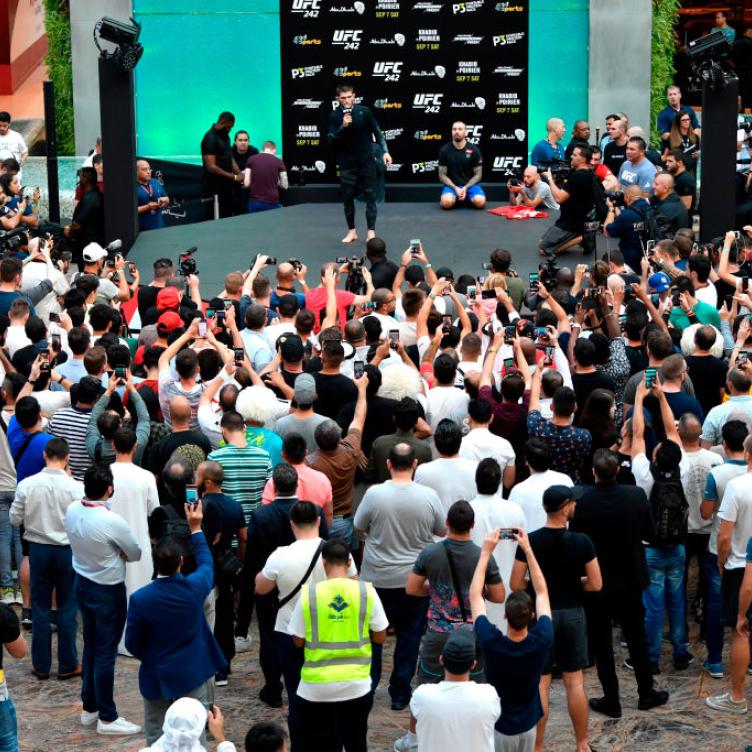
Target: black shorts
{"points": [[569, 650], [731, 581]]}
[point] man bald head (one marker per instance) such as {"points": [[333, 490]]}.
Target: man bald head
{"points": [[663, 185], [581, 130], [285, 274], [180, 413], [555, 128]]}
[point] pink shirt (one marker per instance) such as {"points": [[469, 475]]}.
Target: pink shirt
{"points": [[315, 300], [312, 486]]}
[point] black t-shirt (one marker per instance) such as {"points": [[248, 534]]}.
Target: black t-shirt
{"points": [[562, 556], [584, 383], [217, 143], [89, 213], [638, 359], [379, 419], [708, 375], [685, 185], [383, 274], [575, 209], [241, 159], [223, 515], [460, 163], [10, 629], [334, 391], [614, 156], [147, 298], [161, 452], [353, 145], [570, 147]]}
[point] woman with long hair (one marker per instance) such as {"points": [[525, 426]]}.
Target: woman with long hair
{"points": [[597, 416], [682, 137]]}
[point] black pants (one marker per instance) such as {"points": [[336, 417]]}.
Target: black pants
{"points": [[356, 180], [225, 196], [266, 614], [223, 622], [625, 607], [696, 545], [336, 724]]}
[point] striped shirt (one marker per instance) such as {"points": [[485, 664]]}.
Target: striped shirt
{"points": [[71, 424], [246, 471]]}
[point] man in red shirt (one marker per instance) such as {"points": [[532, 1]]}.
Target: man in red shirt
{"points": [[315, 300], [264, 174]]}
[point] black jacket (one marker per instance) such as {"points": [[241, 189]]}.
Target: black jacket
{"points": [[671, 214]]}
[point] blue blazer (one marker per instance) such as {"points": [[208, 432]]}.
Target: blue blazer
{"points": [[168, 633]]}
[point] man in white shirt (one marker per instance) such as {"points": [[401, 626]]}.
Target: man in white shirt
{"points": [[481, 443], [15, 335], [40, 505], [529, 494], [444, 399], [451, 476], [288, 569], [455, 713], [734, 533], [386, 303], [399, 519], [12, 143], [287, 308], [491, 512]]}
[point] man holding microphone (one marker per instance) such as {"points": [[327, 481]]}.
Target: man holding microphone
{"points": [[352, 131]]}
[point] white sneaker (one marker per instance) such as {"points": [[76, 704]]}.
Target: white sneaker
{"points": [[243, 644], [405, 744], [118, 727], [727, 703], [89, 719]]}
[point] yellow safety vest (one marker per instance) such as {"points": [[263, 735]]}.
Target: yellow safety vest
{"points": [[337, 613]]}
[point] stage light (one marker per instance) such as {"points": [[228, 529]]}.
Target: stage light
{"points": [[123, 34], [707, 55]]}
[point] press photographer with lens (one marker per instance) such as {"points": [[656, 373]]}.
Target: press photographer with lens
{"points": [[626, 220], [577, 198], [531, 191]]}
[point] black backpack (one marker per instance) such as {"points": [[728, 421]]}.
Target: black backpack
{"points": [[669, 508], [600, 208], [177, 528]]}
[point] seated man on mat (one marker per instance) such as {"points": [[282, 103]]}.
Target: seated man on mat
{"points": [[460, 170]]}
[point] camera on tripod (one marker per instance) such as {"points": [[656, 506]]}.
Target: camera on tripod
{"points": [[548, 272], [356, 283], [186, 262]]}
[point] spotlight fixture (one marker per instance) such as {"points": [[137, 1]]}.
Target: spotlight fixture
{"points": [[707, 56], [123, 34]]}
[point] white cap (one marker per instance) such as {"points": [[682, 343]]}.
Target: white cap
{"points": [[94, 252]]}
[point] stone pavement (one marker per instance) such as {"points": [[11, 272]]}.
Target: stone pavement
{"points": [[48, 712]]}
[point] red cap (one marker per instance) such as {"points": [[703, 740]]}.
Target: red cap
{"points": [[167, 299], [169, 321]]}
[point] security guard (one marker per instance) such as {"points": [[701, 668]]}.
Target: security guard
{"points": [[336, 621]]}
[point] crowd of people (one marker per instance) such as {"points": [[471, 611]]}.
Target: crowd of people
{"points": [[493, 480]]}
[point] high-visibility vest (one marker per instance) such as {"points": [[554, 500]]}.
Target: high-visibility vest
{"points": [[337, 613]]}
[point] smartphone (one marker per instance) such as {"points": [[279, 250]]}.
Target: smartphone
{"points": [[488, 266], [650, 375], [675, 298], [622, 322], [534, 277], [728, 301], [55, 342], [508, 363], [55, 317], [548, 360], [540, 331], [367, 307], [239, 355], [228, 305], [446, 324], [132, 267], [649, 247], [415, 246], [45, 359], [509, 332], [507, 533], [220, 314], [210, 313], [202, 328], [487, 294], [191, 496], [393, 338], [472, 290], [120, 373], [742, 357], [481, 279], [359, 368]]}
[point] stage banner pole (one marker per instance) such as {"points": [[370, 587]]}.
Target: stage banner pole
{"points": [[419, 65]]}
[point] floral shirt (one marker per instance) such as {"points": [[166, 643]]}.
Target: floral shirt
{"points": [[569, 446]]}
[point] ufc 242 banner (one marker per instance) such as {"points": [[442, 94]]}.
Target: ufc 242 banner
{"points": [[419, 65]]}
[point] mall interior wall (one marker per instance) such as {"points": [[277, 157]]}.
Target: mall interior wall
{"points": [[205, 56]]}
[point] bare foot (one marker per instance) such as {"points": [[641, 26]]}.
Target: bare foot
{"points": [[371, 234], [351, 237]]}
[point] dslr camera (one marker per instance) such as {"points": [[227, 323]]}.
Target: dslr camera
{"points": [[186, 262], [297, 264], [561, 170], [615, 197]]}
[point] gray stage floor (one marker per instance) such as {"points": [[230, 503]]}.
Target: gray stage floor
{"points": [[460, 239]]}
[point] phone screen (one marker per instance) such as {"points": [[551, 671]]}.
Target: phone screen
{"points": [[191, 495], [507, 533], [358, 368], [509, 332], [650, 374], [239, 354], [202, 328], [394, 338], [508, 362], [55, 340], [534, 276], [210, 313], [488, 294]]}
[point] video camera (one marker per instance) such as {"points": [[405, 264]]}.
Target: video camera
{"points": [[356, 283], [12, 240], [561, 170], [548, 272], [186, 262], [615, 197]]}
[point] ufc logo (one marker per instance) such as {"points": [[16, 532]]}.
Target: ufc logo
{"points": [[503, 163], [349, 38], [309, 8], [428, 100], [383, 68], [474, 133]]}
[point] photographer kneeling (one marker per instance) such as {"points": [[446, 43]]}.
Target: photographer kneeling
{"points": [[620, 223], [576, 198]]}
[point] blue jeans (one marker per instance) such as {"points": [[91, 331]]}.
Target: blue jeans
{"points": [[8, 727], [103, 609], [51, 569], [713, 623], [665, 592], [291, 661], [259, 206], [407, 614], [342, 527], [10, 539]]}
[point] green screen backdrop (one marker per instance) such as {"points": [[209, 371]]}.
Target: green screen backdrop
{"points": [[205, 56]]}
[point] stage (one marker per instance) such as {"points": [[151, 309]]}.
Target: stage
{"points": [[460, 238]]}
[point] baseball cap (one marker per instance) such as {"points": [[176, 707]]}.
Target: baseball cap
{"points": [[555, 497], [94, 252], [290, 347], [168, 299], [305, 389], [459, 652], [659, 282], [168, 322]]}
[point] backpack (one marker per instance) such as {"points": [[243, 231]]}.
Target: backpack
{"points": [[600, 208], [669, 508], [177, 528]]}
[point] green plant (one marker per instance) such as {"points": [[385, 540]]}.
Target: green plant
{"points": [[665, 17], [60, 70]]}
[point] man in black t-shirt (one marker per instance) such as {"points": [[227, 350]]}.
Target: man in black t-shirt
{"points": [[685, 183], [351, 132], [460, 170], [580, 137], [565, 558], [87, 224], [576, 199], [615, 151], [221, 173]]}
